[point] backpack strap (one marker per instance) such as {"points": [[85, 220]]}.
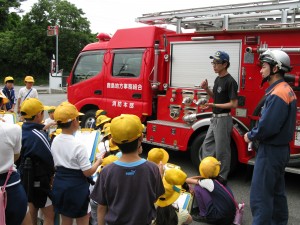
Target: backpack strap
{"points": [[27, 94], [230, 195]]}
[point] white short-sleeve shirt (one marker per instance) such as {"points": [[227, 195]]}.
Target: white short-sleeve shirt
{"points": [[10, 139], [70, 153], [48, 120], [24, 91]]}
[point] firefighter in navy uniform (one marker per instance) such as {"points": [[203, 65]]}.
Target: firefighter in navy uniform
{"points": [[274, 131]]}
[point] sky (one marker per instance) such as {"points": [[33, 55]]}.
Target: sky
{"points": [[109, 15]]}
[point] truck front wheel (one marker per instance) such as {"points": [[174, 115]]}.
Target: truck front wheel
{"points": [[88, 119], [196, 152]]}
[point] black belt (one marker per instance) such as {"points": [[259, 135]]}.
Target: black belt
{"points": [[220, 115]]}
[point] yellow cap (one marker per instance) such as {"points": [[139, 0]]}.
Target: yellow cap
{"points": [[20, 123], [106, 132], [175, 176], [56, 132], [29, 79], [126, 128], [9, 78], [31, 107], [209, 167], [4, 98], [100, 112], [112, 146], [49, 108], [105, 126], [109, 159], [172, 192], [158, 154], [102, 119], [66, 112]]}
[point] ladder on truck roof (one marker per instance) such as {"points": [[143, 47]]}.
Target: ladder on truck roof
{"points": [[254, 15]]}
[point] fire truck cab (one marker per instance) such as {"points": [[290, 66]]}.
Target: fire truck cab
{"points": [[155, 73]]}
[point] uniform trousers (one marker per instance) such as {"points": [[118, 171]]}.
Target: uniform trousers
{"points": [[268, 201], [217, 142]]}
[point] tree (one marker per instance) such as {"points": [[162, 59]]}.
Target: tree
{"points": [[32, 50], [5, 6]]}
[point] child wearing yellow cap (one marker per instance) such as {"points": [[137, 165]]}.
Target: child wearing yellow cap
{"points": [[127, 188], [71, 159], [3, 101], [9, 92], [106, 146], [36, 150], [214, 202], [50, 124], [160, 157], [167, 211], [106, 161], [101, 121], [26, 92]]}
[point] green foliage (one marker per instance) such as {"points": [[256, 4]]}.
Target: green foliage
{"points": [[28, 49], [5, 6]]}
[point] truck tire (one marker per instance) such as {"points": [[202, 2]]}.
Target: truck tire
{"points": [[196, 152], [88, 119]]}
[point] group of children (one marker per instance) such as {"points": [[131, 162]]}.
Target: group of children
{"points": [[28, 91], [212, 202], [124, 191], [128, 188]]}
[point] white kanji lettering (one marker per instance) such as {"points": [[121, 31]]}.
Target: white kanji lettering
{"points": [[114, 103], [117, 86], [108, 85], [130, 86], [121, 86], [119, 104], [134, 87], [125, 104], [140, 87], [125, 86], [131, 105], [112, 85]]}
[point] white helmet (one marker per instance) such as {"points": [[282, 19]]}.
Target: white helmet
{"points": [[277, 58]]}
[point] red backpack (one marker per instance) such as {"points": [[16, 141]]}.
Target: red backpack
{"points": [[3, 199]]}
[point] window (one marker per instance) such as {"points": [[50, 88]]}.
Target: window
{"points": [[127, 64], [88, 66]]}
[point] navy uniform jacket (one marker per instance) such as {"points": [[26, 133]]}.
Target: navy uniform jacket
{"points": [[278, 116], [10, 94], [36, 146]]}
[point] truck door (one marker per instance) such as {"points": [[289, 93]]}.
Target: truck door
{"points": [[86, 78], [126, 88]]}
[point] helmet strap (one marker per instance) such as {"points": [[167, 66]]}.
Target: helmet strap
{"points": [[267, 78]]}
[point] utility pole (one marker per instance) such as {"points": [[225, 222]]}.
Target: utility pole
{"points": [[53, 31], [56, 57]]}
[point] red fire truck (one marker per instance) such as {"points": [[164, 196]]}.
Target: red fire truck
{"points": [[154, 72]]}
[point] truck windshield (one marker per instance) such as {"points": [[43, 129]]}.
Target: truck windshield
{"points": [[127, 64], [88, 65]]}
